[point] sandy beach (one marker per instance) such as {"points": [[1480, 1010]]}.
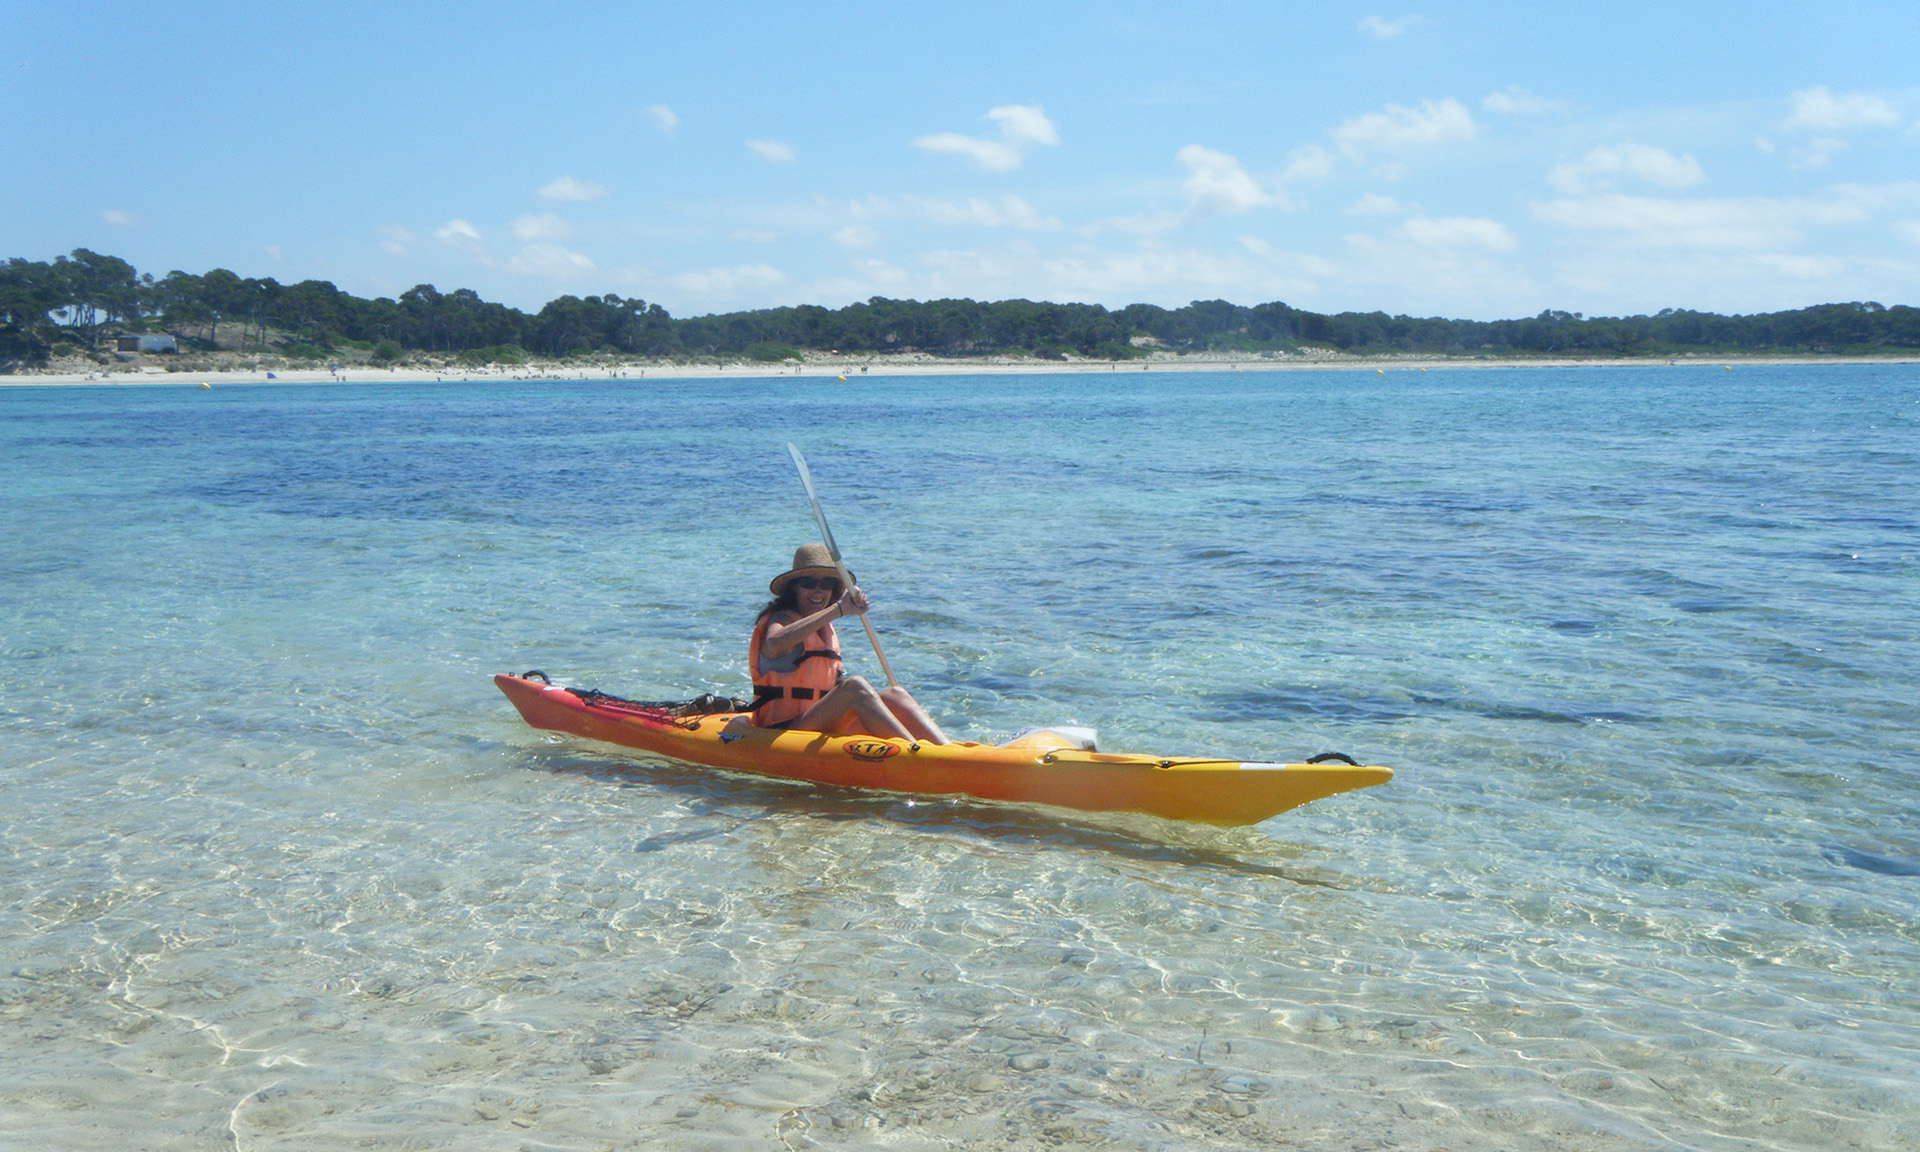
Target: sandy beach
{"points": [[835, 368]]}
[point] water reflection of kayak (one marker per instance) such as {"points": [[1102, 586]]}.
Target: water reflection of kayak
{"points": [[1048, 766]]}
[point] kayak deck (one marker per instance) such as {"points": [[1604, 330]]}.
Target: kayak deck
{"points": [[1040, 768]]}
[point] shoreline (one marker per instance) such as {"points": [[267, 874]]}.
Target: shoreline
{"points": [[836, 368]]}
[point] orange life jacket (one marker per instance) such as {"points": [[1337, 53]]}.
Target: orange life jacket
{"points": [[787, 687]]}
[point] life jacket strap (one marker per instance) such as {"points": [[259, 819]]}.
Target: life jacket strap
{"points": [[763, 693]]}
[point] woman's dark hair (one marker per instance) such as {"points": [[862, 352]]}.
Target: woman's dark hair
{"points": [[789, 599]]}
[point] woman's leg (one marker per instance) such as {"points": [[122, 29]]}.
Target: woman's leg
{"points": [[911, 716], [851, 708]]}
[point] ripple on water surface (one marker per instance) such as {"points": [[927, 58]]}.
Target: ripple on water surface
{"points": [[282, 870]]}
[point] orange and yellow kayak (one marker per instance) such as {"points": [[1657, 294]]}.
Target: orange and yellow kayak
{"points": [[1043, 767]]}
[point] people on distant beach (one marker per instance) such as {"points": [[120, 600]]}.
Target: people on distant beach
{"points": [[794, 659]]}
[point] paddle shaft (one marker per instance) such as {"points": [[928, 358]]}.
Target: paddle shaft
{"points": [[833, 550]]}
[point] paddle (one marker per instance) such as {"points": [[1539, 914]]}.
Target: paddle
{"points": [[833, 550]]}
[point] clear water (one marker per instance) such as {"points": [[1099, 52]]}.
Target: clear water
{"points": [[279, 868]]}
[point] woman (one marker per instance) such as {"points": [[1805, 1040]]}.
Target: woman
{"points": [[794, 659]]}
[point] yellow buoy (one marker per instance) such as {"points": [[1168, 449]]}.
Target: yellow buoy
{"points": [[1728, 367], [842, 379], [204, 384], [1379, 371]]}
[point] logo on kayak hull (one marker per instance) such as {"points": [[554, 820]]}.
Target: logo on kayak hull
{"points": [[875, 750]]}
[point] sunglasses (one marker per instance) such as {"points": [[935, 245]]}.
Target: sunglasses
{"points": [[812, 582]]}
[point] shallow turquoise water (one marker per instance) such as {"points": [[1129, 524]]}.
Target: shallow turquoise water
{"points": [[280, 868]]}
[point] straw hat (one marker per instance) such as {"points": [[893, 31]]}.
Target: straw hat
{"points": [[808, 560]]}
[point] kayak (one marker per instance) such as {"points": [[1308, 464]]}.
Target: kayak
{"points": [[1049, 766]]}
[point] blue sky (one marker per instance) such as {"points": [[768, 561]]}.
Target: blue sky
{"points": [[1473, 160]]}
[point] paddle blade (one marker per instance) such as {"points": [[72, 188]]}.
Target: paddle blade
{"points": [[819, 513]]}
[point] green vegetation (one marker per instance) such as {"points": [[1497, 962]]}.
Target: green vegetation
{"points": [[73, 303], [497, 354], [772, 353]]}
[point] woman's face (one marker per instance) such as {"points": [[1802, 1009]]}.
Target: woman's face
{"points": [[815, 592]]}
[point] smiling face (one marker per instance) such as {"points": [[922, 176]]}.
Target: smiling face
{"points": [[814, 593]]}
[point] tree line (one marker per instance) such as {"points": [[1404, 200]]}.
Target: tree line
{"points": [[80, 299]]}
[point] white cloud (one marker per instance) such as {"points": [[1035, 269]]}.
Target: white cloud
{"points": [[458, 234], [1007, 212], [1797, 267], [549, 262], [1024, 124], [566, 188], [1374, 204], [854, 237], [1216, 183], [1517, 101], [1309, 163], [1426, 278], [1817, 153], [881, 273], [663, 118], [1399, 129], [1876, 197], [273, 253], [121, 218], [1607, 165], [772, 151], [993, 155], [727, 282], [1749, 224], [1458, 232], [1021, 127], [872, 277], [1138, 224], [1818, 110], [397, 240], [1908, 230], [1384, 29], [545, 226], [1622, 280]]}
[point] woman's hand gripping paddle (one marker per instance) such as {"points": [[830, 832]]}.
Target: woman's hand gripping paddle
{"points": [[826, 537]]}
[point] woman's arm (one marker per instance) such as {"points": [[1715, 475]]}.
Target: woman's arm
{"points": [[782, 638]]}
